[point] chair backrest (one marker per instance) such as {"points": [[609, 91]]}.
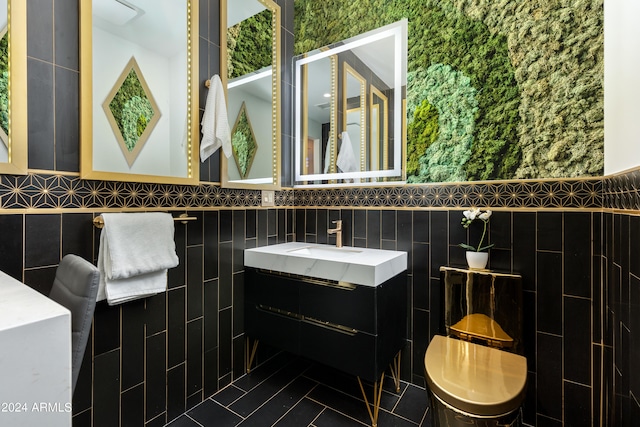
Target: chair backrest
{"points": [[76, 287]]}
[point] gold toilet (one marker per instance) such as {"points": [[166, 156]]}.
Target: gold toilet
{"points": [[476, 374]]}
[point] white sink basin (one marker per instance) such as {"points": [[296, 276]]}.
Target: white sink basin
{"points": [[325, 252], [360, 266]]}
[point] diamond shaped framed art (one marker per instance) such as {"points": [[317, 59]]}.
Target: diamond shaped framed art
{"points": [[131, 110]]}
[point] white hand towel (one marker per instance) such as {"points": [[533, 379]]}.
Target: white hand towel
{"points": [[136, 249], [145, 285], [327, 156], [347, 161], [215, 124]]}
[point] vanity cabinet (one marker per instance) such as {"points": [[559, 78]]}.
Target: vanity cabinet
{"points": [[355, 328]]}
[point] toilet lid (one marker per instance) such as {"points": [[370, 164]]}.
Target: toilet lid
{"points": [[473, 378]]}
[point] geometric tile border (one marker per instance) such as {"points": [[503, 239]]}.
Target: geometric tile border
{"points": [[40, 191], [508, 195], [621, 191], [36, 191]]}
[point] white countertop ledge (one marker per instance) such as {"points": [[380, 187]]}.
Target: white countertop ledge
{"points": [[360, 266], [35, 357]]}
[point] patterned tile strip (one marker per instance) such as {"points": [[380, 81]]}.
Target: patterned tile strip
{"points": [[622, 191], [36, 191]]}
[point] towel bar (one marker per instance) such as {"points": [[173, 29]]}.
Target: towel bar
{"points": [[207, 83], [98, 222]]}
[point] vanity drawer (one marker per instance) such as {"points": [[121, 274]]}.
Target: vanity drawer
{"points": [[351, 353], [271, 290], [352, 305], [270, 327]]}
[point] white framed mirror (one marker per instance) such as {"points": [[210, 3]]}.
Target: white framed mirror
{"points": [[377, 58], [139, 111], [250, 71], [13, 87]]}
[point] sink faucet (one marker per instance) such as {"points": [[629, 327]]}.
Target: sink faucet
{"points": [[337, 231]]}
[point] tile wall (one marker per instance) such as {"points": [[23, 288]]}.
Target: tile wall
{"points": [[620, 293], [553, 252], [150, 360]]}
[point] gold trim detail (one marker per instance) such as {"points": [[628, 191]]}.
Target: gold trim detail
{"points": [[394, 367], [86, 103], [98, 222], [375, 402], [250, 352], [17, 145], [311, 320], [322, 282], [276, 133], [65, 191]]}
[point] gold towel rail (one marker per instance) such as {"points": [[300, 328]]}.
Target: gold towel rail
{"points": [[98, 222]]}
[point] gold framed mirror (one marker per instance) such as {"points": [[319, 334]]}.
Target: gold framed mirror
{"points": [[13, 87], [354, 119], [138, 80], [250, 72], [379, 147]]}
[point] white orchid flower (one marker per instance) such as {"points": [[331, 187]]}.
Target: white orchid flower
{"points": [[469, 217], [471, 214], [485, 215]]}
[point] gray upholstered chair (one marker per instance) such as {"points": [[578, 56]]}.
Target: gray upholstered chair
{"points": [[76, 287]]}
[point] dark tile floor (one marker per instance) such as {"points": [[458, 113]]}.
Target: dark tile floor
{"points": [[292, 392]]}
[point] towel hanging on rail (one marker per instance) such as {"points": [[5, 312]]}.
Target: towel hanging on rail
{"points": [[136, 250], [215, 123], [346, 158]]}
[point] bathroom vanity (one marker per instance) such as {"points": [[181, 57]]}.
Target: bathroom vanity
{"points": [[343, 307]]}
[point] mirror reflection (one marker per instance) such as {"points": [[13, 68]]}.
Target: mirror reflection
{"points": [[368, 75], [13, 88], [353, 139], [4, 87], [243, 142], [252, 58], [379, 147], [317, 124], [136, 57]]}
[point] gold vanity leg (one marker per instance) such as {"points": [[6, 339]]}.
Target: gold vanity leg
{"points": [[395, 370], [377, 393], [250, 353]]}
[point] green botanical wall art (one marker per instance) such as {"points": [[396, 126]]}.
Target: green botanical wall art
{"points": [[243, 142], [249, 45], [131, 111], [4, 86], [495, 89]]}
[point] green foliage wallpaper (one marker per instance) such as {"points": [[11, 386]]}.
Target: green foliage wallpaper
{"points": [[496, 89]]}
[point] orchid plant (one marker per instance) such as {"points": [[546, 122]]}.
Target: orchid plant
{"points": [[469, 217]]}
